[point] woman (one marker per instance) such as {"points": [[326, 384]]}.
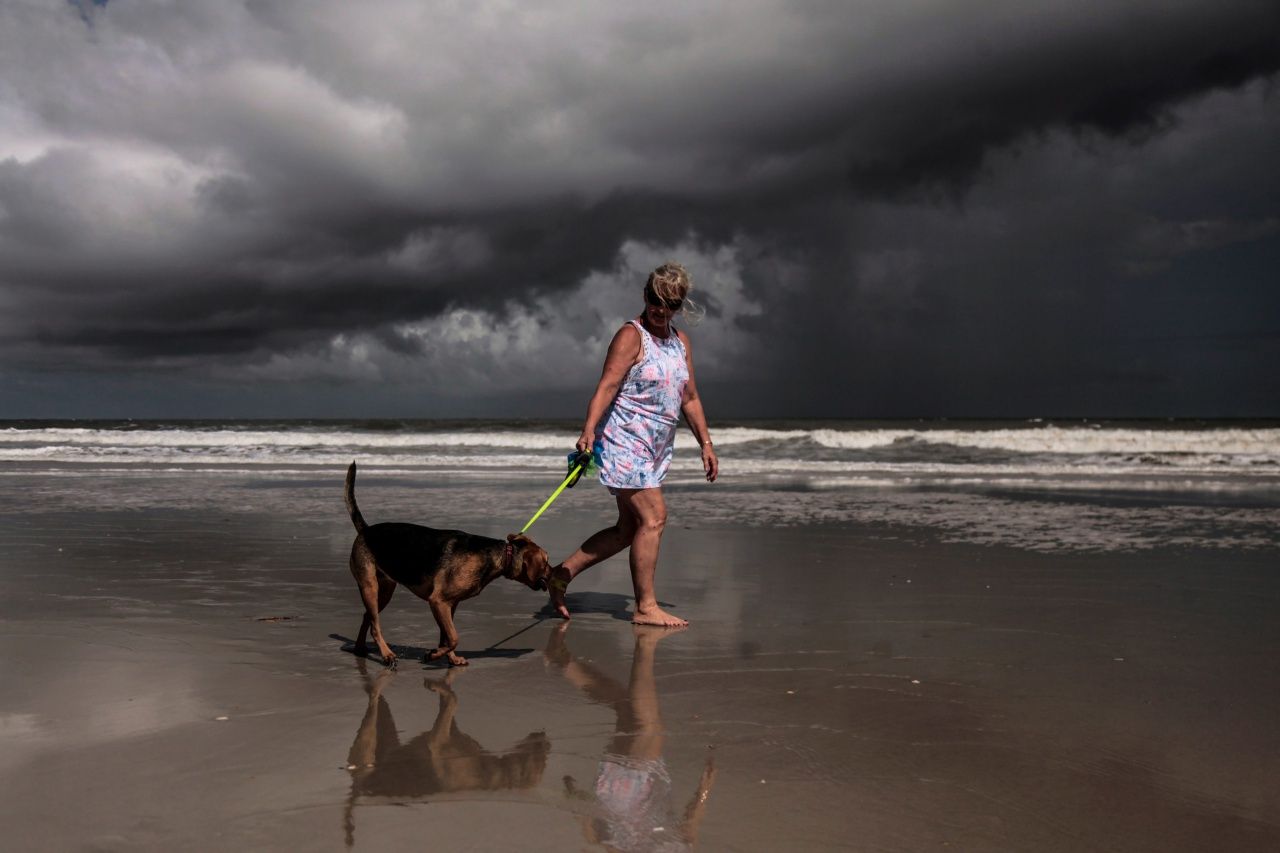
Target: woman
{"points": [[646, 384]]}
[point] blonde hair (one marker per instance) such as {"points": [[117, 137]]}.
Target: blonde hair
{"points": [[671, 281]]}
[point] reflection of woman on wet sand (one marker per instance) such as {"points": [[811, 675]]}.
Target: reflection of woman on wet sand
{"points": [[633, 787]]}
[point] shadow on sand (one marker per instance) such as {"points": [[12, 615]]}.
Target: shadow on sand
{"points": [[419, 652], [614, 604]]}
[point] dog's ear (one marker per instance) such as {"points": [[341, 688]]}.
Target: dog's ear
{"points": [[544, 564]]}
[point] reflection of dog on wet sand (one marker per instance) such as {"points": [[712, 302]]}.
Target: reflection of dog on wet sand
{"points": [[632, 787], [442, 760], [443, 567]]}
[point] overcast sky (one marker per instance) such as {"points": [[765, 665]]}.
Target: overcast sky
{"points": [[911, 208]]}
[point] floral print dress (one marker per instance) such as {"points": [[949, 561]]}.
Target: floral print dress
{"points": [[634, 444]]}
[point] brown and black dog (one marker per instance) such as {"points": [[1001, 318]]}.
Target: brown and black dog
{"points": [[443, 567]]}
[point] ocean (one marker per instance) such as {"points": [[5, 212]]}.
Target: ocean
{"points": [[822, 454], [1034, 483]]}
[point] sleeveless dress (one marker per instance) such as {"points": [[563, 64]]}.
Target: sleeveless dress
{"points": [[633, 447]]}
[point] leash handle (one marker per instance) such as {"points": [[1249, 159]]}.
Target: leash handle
{"points": [[554, 495]]}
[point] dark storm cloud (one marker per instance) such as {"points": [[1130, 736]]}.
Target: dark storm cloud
{"points": [[932, 204]]}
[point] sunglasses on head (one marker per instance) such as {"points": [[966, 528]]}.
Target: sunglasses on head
{"points": [[658, 302]]}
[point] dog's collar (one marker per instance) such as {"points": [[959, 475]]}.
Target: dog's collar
{"points": [[508, 554]]}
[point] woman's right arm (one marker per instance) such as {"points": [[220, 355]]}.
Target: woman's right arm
{"points": [[624, 351]]}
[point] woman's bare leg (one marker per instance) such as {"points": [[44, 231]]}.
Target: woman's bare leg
{"points": [[601, 545], [650, 511]]}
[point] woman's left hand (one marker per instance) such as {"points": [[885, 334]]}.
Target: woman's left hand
{"points": [[710, 464]]}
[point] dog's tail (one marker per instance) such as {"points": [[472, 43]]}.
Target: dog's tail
{"points": [[349, 493]]}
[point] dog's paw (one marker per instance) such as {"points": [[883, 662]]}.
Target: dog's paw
{"points": [[457, 660]]}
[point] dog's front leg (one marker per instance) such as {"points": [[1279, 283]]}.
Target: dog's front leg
{"points": [[448, 634]]}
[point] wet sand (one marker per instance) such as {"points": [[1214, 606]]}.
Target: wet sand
{"points": [[176, 676]]}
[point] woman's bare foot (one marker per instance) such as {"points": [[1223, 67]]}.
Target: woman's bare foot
{"points": [[655, 615], [648, 636], [557, 583]]}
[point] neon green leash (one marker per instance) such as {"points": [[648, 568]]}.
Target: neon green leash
{"points": [[579, 464]]}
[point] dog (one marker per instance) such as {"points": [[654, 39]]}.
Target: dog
{"points": [[443, 567]]}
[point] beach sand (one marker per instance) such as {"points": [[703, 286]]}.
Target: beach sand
{"points": [[175, 677]]}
